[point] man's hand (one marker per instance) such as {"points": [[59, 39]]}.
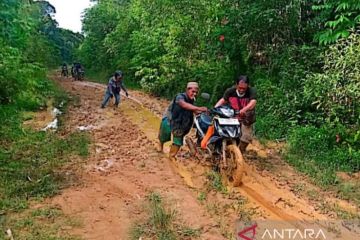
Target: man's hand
{"points": [[202, 109], [242, 112], [242, 115]]}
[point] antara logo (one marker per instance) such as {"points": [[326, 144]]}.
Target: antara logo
{"points": [[293, 234], [244, 234]]}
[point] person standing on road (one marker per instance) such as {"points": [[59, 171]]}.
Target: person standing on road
{"points": [[242, 98], [64, 70], [179, 118], [113, 89]]}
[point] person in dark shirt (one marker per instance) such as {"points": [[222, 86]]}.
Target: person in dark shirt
{"points": [[178, 119], [64, 70], [113, 89], [242, 98]]}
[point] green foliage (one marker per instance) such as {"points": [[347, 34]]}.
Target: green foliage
{"points": [[319, 153], [30, 41], [152, 43], [335, 91], [341, 17]]}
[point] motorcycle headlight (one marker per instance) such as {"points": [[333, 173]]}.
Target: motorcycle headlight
{"points": [[228, 112]]}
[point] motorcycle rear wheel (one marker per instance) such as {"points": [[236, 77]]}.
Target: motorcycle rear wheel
{"points": [[235, 166]]}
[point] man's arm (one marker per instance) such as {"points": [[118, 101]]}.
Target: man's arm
{"points": [[124, 88], [221, 102], [191, 107], [250, 106], [225, 98], [111, 85]]}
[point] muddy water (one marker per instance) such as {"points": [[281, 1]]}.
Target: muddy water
{"points": [[39, 120]]}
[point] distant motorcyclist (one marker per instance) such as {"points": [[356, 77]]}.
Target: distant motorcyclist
{"points": [[113, 89], [77, 71], [242, 98], [179, 118], [64, 70]]}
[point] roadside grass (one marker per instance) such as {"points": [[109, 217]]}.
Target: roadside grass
{"points": [[238, 206], [161, 223], [31, 166], [41, 224], [214, 182], [32, 163], [325, 177], [327, 208], [321, 154]]}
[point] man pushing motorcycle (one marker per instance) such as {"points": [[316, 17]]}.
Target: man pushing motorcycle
{"points": [[178, 119], [242, 98]]}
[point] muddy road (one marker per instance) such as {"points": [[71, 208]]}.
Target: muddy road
{"points": [[124, 168]]}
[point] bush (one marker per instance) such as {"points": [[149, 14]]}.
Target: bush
{"points": [[321, 152]]}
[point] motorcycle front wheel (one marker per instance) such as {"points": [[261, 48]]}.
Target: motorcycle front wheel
{"points": [[235, 167]]}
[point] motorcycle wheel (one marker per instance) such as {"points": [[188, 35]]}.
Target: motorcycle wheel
{"points": [[235, 166]]}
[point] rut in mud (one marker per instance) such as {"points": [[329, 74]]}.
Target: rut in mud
{"points": [[124, 168]]}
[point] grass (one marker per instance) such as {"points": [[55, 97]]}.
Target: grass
{"points": [[316, 152], [46, 223], [215, 182], [238, 206], [202, 197], [326, 208], [350, 191], [31, 164], [161, 223]]}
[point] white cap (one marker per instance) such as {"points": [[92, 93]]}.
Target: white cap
{"points": [[192, 85]]}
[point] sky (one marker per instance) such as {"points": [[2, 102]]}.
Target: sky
{"points": [[69, 12]]}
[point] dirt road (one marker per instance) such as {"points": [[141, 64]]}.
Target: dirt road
{"points": [[124, 168]]}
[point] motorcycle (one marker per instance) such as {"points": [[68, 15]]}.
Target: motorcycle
{"points": [[79, 74], [216, 141]]}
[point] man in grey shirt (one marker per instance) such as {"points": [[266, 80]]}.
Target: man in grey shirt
{"points": [[113, 89]]}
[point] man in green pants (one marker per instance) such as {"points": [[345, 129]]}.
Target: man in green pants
{"points": [[179, 118]]}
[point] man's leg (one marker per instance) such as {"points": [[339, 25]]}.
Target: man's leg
{"points": [[117, 99], [164, 134], [178, 139], [246, 137], [106, 99]]}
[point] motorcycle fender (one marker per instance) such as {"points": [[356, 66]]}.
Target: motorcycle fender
{"points": [[214, 139]]}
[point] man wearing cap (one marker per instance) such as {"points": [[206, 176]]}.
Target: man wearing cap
{"points": [[242, 98], [113, 89], [179, 118]]}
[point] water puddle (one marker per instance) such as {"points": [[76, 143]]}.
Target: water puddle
{"points": [[40, 119]]}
